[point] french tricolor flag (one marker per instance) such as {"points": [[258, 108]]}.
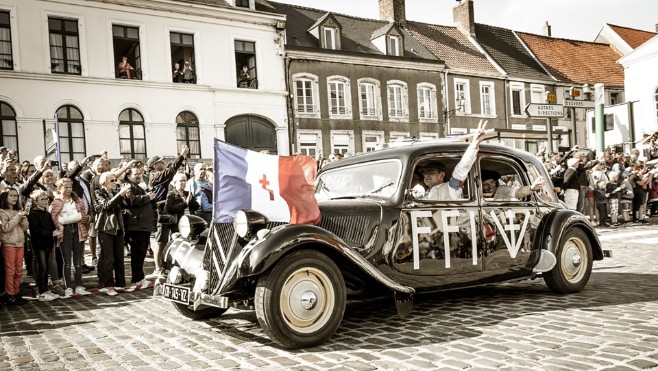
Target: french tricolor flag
{"points": [[279, 187]]}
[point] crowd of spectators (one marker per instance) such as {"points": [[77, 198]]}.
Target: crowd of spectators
{"points": [[52, 216], [612, 188]]}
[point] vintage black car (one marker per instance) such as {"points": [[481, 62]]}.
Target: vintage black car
{"points": [[377, 236]]}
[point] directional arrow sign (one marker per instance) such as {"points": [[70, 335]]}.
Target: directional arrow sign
{"points": [[579, 103], [544, 110]]}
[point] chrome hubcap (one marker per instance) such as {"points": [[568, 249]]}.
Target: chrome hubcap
{"points": [[573, 267], [575, 260], [308, 300]]}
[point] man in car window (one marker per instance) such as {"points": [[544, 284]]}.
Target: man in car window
{"points": [[434, 172], [491, 187]]}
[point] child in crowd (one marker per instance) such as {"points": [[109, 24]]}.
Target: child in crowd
{"points": [[612, 190], [43, 235], [601, 201], [627, 195], [14, 224]]}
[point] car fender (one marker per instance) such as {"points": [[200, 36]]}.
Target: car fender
{"points": [[182, 253], [558, 222], [260, 254]]}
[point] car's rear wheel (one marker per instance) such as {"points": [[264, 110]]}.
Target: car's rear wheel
{"points": [[200, 314], [301, 301], [574, 264]]}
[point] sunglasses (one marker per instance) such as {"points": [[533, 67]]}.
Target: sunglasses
{"points": [[112, 180]]}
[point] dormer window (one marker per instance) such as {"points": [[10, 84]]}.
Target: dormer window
{"points": [[326, 31], [329, 34], [394, 45], [388, 39]]}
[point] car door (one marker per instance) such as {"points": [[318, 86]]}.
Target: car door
{"points": [[508, 224], [437, 243]]}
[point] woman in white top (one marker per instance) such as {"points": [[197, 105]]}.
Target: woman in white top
{"points": [[70, 217]]}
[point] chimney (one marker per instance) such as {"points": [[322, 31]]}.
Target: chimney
{"points": [[547, 29], [392, 11], [463, 17]]}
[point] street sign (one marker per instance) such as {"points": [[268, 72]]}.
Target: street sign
{"points": [[544, 110], [578, 103], [551, 97]]}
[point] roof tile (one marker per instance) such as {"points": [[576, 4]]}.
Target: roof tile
{"points": [[450, 45], [632, 36], [577, 61], [509, 52]]}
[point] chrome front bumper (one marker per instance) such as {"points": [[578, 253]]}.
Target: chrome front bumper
{"points": [[197, 299]]}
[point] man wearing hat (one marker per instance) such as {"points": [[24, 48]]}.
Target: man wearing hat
{"points": [[434, 172], [491, 187], [159, 178]]}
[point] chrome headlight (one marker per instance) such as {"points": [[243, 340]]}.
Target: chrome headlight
{"points": [[247, 222], [175, 275], [191, 226], [184, 226]]}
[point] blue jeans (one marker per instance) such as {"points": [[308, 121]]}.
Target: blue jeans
{"points": [[71, 245]]}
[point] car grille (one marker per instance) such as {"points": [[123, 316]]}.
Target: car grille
{"points": [[221, 247], [351, 229]]}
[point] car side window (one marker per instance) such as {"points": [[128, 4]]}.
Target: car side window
{"points": [[500, 180], [427, 185]]}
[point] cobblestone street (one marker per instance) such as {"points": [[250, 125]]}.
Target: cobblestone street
{"points": [[612, 324]]}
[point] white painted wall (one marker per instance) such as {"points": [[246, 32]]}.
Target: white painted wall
{"points": [[35, 93], [640, 83]]}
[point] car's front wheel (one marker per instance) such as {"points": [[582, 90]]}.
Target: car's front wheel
{"points": [[301, 301], [574, 264]]}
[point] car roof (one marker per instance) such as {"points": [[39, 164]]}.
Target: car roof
{"points": [[420, 148]]}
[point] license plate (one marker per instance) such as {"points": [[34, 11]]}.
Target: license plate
{"points": [[178, 294]]}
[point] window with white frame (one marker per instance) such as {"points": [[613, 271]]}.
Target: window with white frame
{"points": [[462, 96], [372, 140], [6, 58], [394, 45], [427, 103], [339, 97], [369, 99], [517, 101], [329, 34], [537, 94], [310, 142], [342, 142], [64, 46], [397, 101], [487, 98], [306, 93]]}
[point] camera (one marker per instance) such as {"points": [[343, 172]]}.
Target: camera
{"points": [[54, 163]]}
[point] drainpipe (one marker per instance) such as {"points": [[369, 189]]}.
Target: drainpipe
{"points": [[631, 121], [446, 106], [292, 129], [506, 101]]}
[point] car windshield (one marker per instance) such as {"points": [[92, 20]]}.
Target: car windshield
{"points": [[372, 179]]}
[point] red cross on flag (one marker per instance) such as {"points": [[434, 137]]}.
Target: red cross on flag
{"points": [[279, 187]]}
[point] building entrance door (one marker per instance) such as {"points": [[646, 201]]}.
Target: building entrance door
{"points": [[251, 132]]}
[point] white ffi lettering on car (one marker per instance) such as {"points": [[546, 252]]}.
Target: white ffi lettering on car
{"points": [[416, 230], [446, 230], [513, 246], [474, 250]]}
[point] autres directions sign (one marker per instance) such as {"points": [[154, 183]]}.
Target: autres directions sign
{"points": [[544, 110]]}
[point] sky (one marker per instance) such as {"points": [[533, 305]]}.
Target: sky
{"points": [[569, 19]]}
